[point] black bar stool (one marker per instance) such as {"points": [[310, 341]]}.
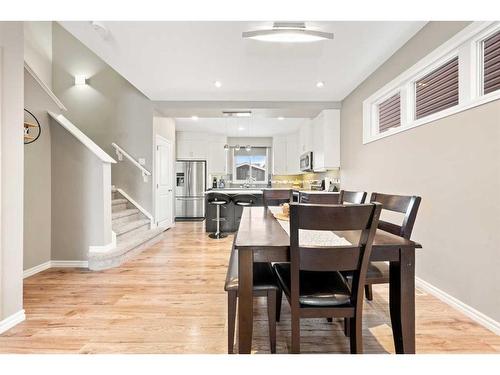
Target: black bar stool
{"points": [[218, 200], [243, 200]]}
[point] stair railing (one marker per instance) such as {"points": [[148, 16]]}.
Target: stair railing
{"points": [[120, 153]]}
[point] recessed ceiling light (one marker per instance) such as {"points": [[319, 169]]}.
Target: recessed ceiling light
{"points": [[80, 80], [288, 32], [218, 84], [236, 113], [320, 84], [195, 118], [281, 118]]}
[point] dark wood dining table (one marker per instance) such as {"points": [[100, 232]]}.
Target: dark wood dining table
{"points": [[261, 238]]}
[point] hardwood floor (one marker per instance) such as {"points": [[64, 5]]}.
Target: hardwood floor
{"points": [[170, 299]]}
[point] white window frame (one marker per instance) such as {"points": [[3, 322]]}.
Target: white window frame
{"points": [[234, 180], [468, 46]]}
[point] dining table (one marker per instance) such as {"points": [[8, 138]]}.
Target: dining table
{"points": [[261, 238]]}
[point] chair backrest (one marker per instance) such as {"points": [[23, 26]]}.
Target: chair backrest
{"points": [[275, 197], [405, 204], [354, 197], [319, 198], [361, 218]]}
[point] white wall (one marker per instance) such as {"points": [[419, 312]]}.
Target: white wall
{"points": [[453, 164], [38, 48], [11, 169]]}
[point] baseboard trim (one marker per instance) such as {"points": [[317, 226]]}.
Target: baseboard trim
{"points": [[471, 312], [105, 248], [11, 321], [34, 270], [69, 264], [55, 263]]}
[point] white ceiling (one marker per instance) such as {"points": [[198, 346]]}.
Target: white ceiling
{"points": [[179, 61], [240, 127]]}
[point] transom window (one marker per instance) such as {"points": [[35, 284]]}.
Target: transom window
{"points": [[462, 73]]}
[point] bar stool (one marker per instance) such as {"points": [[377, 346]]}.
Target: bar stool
{"points": [[218, 200], [243, 200]]}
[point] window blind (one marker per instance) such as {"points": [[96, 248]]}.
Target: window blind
{"points": [[438, 90], [492, 63], [389, 113]]}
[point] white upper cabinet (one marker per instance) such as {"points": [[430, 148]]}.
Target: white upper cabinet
{"points": [[305, 137], [326, 140], [292, 153], [217, 156], [279, 154], [191, 145]]}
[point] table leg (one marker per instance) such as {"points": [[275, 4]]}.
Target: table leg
{"points": [[402, 301], [245, 296]]}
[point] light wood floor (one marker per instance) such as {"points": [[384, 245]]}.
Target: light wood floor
{"points": [[170, 299]]}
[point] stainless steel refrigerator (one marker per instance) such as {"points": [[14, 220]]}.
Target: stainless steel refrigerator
{"points": [[189, 190]]}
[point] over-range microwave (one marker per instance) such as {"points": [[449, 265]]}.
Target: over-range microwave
{"points": [[306, 162]]}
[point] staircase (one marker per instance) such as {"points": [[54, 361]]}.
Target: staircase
{"points": [[133, 234]]}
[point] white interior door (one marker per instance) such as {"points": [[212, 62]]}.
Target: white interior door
{"points": [[164, 182]]}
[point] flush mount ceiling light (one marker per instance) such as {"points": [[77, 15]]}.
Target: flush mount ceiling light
{"points": [[218, 84], [288, 32], [320, 84], [236, 113]]}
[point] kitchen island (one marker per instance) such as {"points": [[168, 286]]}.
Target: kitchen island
{"points": [[231, 213]]}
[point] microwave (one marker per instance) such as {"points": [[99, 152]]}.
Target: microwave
{"points": [[306, 162]]}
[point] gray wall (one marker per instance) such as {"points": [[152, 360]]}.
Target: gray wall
{"points": [[11, 169], [77, 196], [453, 163], [108, 109], [37, 178]]}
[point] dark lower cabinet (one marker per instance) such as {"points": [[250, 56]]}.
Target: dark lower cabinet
{"points": [[230, 212]]}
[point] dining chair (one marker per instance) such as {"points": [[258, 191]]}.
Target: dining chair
{"points": [[353, 197], [276, 197], [264, 284], [319, 198], [312, 281], [378, 272]]}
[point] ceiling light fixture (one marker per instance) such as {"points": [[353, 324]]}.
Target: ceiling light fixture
{"points": [[281, 118], [288, 32], [241, 128], [320, 84], [218, 84], [80, 80], [194, 118], [236, 113], [248, 148]]}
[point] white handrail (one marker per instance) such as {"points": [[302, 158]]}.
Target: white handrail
{"points": [[45, 88], [78, 134], [120, 152]]}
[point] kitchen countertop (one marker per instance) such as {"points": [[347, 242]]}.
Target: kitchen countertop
{"points": [[259, 191]]}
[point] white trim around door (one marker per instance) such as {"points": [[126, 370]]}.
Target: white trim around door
{"points": [[163, 160]]}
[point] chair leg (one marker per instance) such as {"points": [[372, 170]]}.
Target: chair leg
{"points": [[271, 317], [232, 298], [368, 292], [279, 297], [295, 333], [347, 327], [356, 337]]}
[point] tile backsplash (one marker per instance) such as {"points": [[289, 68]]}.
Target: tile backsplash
{"points": [[304, 181]]}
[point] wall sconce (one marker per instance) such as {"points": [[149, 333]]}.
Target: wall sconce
{"points": [[80, 80]]}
